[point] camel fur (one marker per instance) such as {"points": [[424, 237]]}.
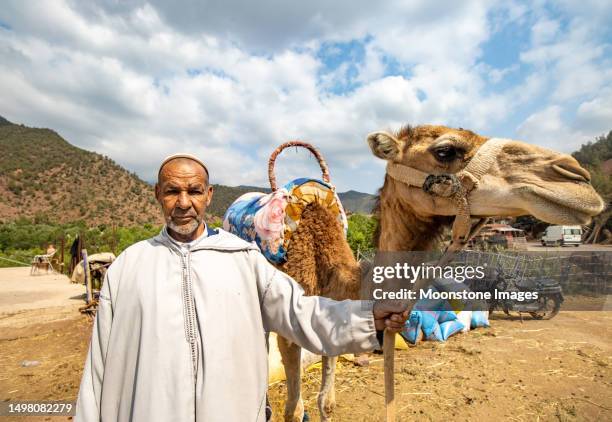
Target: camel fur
{"points": [[320, 259]]}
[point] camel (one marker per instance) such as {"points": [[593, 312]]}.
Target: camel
{"points": [[320, 260], [439, 176]]}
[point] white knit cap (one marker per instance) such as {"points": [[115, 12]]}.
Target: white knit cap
{"points": [[183, 155]]}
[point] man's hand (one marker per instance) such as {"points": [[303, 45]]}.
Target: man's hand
{"points": [[391, 314]]}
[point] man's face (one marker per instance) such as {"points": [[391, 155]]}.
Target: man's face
{"points": [[183, 193]]}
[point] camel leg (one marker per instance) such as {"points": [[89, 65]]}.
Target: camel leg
{"points": [[292, 360], [327, 394]]}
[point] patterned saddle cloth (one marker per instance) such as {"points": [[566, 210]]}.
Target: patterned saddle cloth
{"points": [[270, 219]]}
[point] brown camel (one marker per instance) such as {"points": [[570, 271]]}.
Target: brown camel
{"points": [[524, 180], [320, 259]]}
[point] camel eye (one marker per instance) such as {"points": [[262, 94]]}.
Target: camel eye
{"points": [[446, 153]]}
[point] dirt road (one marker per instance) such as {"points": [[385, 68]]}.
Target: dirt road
{"points": [[20, 292]]}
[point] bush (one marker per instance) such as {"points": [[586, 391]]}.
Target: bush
{"points": [[360, 234]]}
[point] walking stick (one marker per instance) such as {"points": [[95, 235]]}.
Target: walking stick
{"points": [[389, 364]]}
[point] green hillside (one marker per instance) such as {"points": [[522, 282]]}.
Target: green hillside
{"points": [[44, 177], [592, 156]]}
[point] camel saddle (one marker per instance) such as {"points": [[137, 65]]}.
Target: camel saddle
{"points": [[269, 220]]}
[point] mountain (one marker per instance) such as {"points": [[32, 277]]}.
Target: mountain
{"points": [[353, 201], [45, 178], [357, 202]]}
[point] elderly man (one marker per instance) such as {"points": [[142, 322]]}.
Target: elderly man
{"points": [[179, 334]]}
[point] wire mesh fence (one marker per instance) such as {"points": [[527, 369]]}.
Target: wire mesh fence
{"points": [[577, 272]]}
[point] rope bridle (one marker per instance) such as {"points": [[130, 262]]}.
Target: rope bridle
{"points": [[457, 187]]}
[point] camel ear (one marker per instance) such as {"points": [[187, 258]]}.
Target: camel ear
{"points": [[384, 145]]}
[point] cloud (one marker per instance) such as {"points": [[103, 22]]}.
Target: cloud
{"points": [[550, 128], [573, 63], [139, 80], [546, 127], [595, 116]]}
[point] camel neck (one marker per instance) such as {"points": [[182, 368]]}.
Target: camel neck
{"points": [[401, 228]]}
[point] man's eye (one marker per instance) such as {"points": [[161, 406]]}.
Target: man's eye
{"points": [[195, 192]]}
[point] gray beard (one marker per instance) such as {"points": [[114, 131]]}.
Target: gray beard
{"points": [[184, 229]]}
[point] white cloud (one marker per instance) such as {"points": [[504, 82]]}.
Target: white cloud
{"points": [[550, 128], [546, 128], [544, 31], [231, 80], [595, 116], [572, 65]]}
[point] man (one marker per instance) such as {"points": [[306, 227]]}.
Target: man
{"points": [[51, 249], [179, 333]]}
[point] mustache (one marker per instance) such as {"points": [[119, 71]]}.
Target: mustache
{"points": [[183, 215]]}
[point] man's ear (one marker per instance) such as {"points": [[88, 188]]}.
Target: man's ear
{"points": [[384, 145], [210, 195], [157, 192]]}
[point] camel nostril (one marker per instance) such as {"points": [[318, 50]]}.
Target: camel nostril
{"points": [[572, 170]]}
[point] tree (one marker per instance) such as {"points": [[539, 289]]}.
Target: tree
{"points": [[592, 155], [360, 234]]}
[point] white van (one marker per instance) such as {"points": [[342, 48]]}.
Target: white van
{"points": [[562, 235]]}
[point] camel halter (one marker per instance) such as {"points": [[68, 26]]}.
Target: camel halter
{"points": [[457, 187]]}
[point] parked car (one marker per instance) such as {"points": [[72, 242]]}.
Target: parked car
{"points": [[562, 235]]}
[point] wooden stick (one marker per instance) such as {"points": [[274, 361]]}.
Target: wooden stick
{"points": [[389, 364]]}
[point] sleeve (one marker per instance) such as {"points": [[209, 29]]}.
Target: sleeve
{"points": [[90, 392], [320, 325]]}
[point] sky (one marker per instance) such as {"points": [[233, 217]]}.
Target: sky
{"points": [[231, 80]]}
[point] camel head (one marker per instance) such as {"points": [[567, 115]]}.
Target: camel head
{"points": [[512, 178]]}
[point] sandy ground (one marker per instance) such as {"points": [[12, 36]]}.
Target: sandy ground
{"points": [[557, 370], [21, 292]]}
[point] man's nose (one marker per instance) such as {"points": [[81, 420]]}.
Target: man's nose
{"points": [[184, 201]]}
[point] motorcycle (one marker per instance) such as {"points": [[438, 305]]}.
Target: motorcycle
{"points": [[542, 298]]}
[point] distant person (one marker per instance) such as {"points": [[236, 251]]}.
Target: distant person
{"points": [[179, 333], [51, 249]]}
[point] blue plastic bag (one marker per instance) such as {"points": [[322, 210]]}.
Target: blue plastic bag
{"points": [[480, 319], [444, 316], [412, 328], [449, 328]]}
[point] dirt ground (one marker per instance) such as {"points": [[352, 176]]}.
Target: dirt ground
{"points": [[557, 370]]}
